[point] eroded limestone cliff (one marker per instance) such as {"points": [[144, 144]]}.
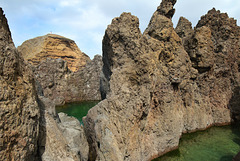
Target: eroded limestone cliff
{"points": [[53, 46], [159, 84]]}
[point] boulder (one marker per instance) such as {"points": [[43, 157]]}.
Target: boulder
{"points": [[74, 134]]}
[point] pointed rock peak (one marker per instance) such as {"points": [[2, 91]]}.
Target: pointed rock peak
{"points": [[184, 27], [213, 10], [215, 18], [222, 27], [166, 8], [184, 22], [5, 33]]}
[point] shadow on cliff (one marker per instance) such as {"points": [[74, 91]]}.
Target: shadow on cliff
{"points": [[234, 105], [42, 130]]}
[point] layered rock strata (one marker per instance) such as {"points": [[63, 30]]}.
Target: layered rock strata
{"points": [[19, 114], [53, 46], [158, 86]]}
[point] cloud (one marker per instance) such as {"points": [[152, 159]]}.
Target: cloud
{"points": [[85, 21]]}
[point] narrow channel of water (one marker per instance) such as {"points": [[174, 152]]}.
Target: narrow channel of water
{"points": [[78, 109], [213, 144]]}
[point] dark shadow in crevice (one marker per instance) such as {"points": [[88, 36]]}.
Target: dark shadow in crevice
{"points": [[42, 130], [234, 106]]}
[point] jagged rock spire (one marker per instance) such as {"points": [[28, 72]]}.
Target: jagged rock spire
{"points": [[4, 29], [166, 8]]}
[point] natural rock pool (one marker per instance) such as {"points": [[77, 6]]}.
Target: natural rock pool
{"points": [[213, 144], [78, 110]]}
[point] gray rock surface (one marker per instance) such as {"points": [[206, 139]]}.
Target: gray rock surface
{"points": [[56, 82], [84, 85], [157, 88], [19, 114], [52, 76], [53, 145], [74, 134]]}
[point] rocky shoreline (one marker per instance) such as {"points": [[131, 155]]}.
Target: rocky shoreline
{"points": [[155, 86]]}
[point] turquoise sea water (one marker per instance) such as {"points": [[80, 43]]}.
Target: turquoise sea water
{"points": [[78, 109], [214, 144]]}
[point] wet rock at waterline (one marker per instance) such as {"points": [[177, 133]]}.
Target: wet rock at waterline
{"points": [[19, 114], [158, 87]]}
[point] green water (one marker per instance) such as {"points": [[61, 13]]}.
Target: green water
{"points": [[78, 110], [214, 144]]}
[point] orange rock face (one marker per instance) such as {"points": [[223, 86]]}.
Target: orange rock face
{"points": [[53, 46]]}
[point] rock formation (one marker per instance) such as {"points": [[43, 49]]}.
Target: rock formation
{"points": [[184, 29], [51, 76], [84, 84], [56, 82], [74, 134], [53, 46], [158, 86], [19, 114], [30, 129], [62, 140]]}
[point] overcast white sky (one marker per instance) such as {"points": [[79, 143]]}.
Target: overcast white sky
{"points": [[85, 21]]}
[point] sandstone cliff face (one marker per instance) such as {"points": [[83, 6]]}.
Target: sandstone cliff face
{"points": [[19, 114], [53, 46], [56, 82], [158, 86]]}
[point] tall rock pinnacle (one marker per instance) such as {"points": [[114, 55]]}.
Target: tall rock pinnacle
{"points": [[19, 114], [166, 8]]}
